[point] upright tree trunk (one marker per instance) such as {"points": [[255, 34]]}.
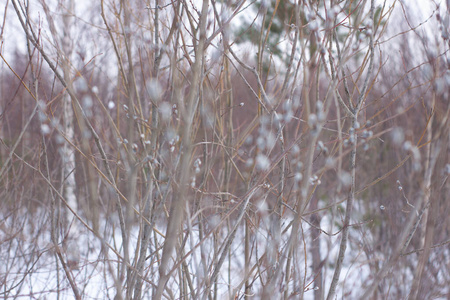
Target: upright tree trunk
{"points": [[67, 153]]}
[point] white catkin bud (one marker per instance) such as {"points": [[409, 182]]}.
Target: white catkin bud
{"points": [[197, 165], [329, 162], [313, 25], [367, 134], [262, 162], [249, 162], [319, 105], [45, 129], [154, 89], [312, 120], [59, 139], [346, 179], [351, 139], [407, 146]]}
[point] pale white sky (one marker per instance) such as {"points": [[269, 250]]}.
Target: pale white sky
{"points": [[14, 40]]}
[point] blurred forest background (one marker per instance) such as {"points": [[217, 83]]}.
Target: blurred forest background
{"points": [[224, 149]]}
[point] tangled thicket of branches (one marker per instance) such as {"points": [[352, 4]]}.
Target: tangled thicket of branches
{"points": [[211, 150]]}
